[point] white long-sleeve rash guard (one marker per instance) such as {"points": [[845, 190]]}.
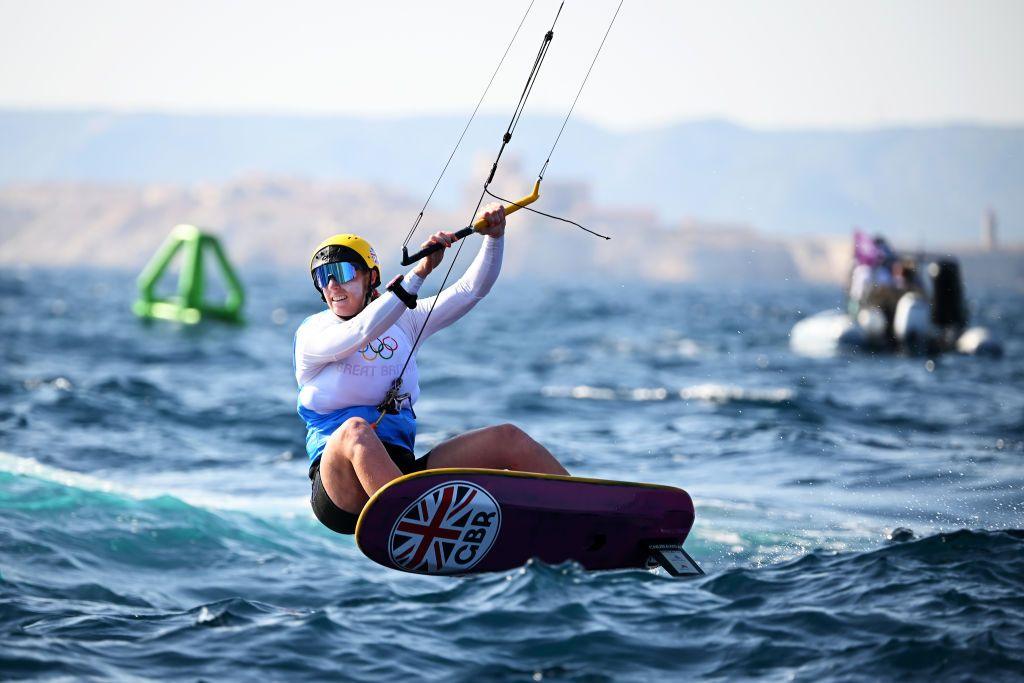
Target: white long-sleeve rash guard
{"points": [[342, 364]]}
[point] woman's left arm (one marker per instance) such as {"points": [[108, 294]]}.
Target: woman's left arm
{"points": [[456, 300]]}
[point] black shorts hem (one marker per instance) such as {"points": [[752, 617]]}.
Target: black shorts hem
{"points": [[344, 522]]}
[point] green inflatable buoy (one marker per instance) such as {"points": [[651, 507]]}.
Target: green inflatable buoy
{"points": [[188, 306]]}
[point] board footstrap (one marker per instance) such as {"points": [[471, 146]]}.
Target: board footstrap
{"points": [[675, 560]]}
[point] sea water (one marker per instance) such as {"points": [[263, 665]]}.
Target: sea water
{"points": [[859, 518]]}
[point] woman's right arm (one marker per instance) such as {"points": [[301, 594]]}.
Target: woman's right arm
{"points": [[315, 346]]}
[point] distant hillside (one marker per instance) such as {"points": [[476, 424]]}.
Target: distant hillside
{"points": [[275, 222], [922, 186]]}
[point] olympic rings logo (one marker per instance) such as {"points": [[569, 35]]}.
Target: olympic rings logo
{"points": [[384, 348]]}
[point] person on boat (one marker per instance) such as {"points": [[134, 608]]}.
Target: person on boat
{"points": [[361, 433], [866, 258], [883, 275], [905, 277], [871, 279]]}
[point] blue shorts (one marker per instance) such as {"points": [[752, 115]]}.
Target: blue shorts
{"points": [[399, 430]]}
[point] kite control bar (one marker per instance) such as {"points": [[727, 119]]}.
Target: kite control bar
{"points": [[409, 259]]}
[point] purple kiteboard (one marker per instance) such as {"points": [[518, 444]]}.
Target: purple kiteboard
{"points": [[466, 521]]}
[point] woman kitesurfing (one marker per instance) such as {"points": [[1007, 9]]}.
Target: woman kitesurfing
{"points": [[355, 363], [348, 356], [353, 359]]}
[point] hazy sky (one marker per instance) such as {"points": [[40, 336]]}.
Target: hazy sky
{"points": [[782, 63]]}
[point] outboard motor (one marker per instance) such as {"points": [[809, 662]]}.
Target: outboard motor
{"points": [[949, 312]]}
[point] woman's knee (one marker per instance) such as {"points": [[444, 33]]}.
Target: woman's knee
{"points": [[341, 444], [511, 436], [353, 430], [358, 443]]}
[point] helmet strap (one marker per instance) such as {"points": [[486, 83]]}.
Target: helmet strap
{"points": [[371, 287]]}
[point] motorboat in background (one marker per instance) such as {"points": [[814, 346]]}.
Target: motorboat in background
{"points": [[905, 303]]}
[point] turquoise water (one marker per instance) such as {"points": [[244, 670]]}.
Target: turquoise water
{"points": [[156, 522]]}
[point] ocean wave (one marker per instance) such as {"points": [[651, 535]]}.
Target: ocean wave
{"points": [[723, 393], [707, 393], [880, 614], [156, 522], [264, 505], [877, 614]]}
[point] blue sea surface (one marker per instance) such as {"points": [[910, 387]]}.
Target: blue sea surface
{"points": [[156, 523]]}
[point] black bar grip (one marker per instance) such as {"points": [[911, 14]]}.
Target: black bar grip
{"points": [[409, 259], [478, 224]]}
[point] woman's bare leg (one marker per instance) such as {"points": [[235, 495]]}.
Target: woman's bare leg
{"points": [[502, 447], [355, 464]]}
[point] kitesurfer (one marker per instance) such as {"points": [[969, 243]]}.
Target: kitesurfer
{"points": [[348, 356]]}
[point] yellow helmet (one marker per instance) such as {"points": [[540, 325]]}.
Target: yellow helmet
{"points": [[345, 248]]}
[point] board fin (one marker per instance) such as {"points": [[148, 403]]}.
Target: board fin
{"points": [[675, 560]]}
